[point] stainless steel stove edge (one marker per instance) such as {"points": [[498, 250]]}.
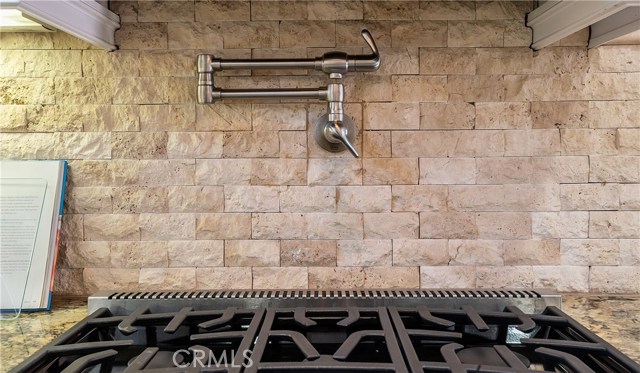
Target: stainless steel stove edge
{"points": [[121, 303]]}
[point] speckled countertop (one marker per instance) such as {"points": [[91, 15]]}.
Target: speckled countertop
{"points": [[615, 318]]}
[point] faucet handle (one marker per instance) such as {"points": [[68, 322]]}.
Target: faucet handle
{"points": [[366, 35], [365, 62], [336, 131]]}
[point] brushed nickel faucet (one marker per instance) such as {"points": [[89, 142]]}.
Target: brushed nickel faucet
{"points": [[334, 131]]}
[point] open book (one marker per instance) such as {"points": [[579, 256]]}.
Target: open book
{"points": [[31, 203]]}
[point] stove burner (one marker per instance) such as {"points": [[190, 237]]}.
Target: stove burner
{"points": [[494, 356], [322, 340]]}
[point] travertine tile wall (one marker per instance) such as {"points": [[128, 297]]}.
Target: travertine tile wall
{"points": [[485, 165]]}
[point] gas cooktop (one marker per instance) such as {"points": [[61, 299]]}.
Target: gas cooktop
{"points": [[330, 331]]}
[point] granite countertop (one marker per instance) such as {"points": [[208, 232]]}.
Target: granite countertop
{"points": [[615, 318]]}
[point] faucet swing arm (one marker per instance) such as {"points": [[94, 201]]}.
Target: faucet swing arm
{"points": [[334, 63]]}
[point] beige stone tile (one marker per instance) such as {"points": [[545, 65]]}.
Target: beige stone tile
{"points": [[108, 227], [335, 171], [588, 141], [419, 88], [422, 252], [563, 224], [254, 253], [89, 173], [561, 60], [307, 199], [496, 61], [614, 224], [590, 196], [88, 200], [391, 10], [630, 196], [484, 143], [245, 198], [419, 198], [348, 33], [477, 88], [293, 144], [364, 198], [307, 34], [376, 144], [85, 254], [439, 277], [117, 279], [135, 90], [47, 118], [504, 225], [139, 145], [567, 169], [279, 117], [72, 227], [517, 34], [614, 168], [560, 114], [384, 225], [627, 279], [447, 10], [614, 58], [391, 277], [166, 172], [80, 91], [390, 171], [628, 141], [353, 253], [167, 227], [630, 252], [68, 281], [223, 171], [448, 224], [76, 145], [138, 254], [509, 197], [180, 90], [285, 226], [280, 278], [223, 278], [99, 117], [279, 171], [232, 10], [503, 115], [447, 61], [537, 142], [392, 116], [258, 34], [225, 226], [102, 63], [195, 198], [507, 170], [14, 118], [167, 278], [345, 226], [561, 278], [503, 9], [166, 63], [244, 144], [499, 277], [419, 33], [194, 144], [165, 11], [142, 36], [336, 277], [278, 10], [399, 61], [133, 199], [370, 88], [421, 143], [308, 253], [625, 112], [209, 253], [589, 252], [58, 63], [476, 252], [532, 252], [475, 34], [335, 10], [447, 171], [579, 38]]}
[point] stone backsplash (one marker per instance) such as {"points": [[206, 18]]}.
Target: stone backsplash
{"points": [[484, 164]]}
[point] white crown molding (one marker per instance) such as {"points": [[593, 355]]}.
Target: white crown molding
{"points": [[622, 23], [85, 19], [555, 20]]}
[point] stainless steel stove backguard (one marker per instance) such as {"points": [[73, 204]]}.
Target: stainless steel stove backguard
{"points": [[122, 303]]}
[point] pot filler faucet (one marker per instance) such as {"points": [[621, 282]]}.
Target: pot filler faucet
{"points": [[334, 131]]}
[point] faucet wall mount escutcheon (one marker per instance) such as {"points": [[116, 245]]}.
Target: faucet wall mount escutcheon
{"points": [[335, 132]]}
